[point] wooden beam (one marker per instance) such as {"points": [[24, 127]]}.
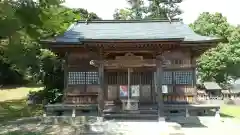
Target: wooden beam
{"points": [[125, 63], [113, 64], [65, 68], [132, 51]]}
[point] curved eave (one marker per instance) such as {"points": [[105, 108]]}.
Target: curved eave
{"points": [[134, 40], [217, 40], [211, 42], [52, 43], [198, 43]]}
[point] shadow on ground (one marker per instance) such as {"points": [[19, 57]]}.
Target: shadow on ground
{"points": [[23, 133], [43, 128], [40, 129], [15, 109], [189, 122]]}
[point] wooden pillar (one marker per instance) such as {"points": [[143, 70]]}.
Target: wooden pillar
{"points": [[101, 93], [186, 112], [159, 74], [194, 76], [65, 68], [129, 90], [129, 85]]}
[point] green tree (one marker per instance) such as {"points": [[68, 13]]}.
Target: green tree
{"points": [[220, 63], [234, 36], [135, 12], [156, 9], [85, 14], [212, 25], [122, 14], [137, 8], [163, 9], [23, 23]]}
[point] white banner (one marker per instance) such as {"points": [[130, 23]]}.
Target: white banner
{"points": [[135, 91], [164, 89]]}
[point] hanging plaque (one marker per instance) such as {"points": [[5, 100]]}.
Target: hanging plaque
{"points": [[123, 90], [135, 90], [164, 89]]}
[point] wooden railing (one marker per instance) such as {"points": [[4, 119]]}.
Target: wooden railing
{"points": [[185, 90], [170, 99], [81, 98]]}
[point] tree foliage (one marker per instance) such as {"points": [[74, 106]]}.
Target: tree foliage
{"points": [[163, 9], [23, 23], [221, 63], [122, 14], [135, 12], [154, 9], [213, 25]]}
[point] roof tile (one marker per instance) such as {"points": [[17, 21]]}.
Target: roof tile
{"points": [[130, 30]]}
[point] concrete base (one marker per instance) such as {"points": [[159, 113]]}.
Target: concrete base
{"points": [[161, 119]]}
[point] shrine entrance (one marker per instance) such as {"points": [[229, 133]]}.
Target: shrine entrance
{"points": [[133, 85], [129, 85]]}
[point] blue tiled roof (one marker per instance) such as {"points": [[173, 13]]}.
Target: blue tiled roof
{"points": [[130, 30]]}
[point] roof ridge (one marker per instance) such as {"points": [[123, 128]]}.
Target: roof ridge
{"points": [[129, 21]]}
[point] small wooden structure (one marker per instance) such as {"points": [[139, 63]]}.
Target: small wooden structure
{"points": [[131, 68], [202, 95], [213, 90], [235, 90], [229, 94]]}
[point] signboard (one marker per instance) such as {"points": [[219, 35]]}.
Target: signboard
{"points": [[123, 91], [164, 89], [135, 90]]}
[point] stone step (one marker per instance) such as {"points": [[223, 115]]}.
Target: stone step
{"points": [[131, 116], [132, 112]]}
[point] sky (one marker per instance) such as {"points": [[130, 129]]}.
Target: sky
{"points": [[191, 8]]}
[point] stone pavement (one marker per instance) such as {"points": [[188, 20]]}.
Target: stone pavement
{"points": [[210, 126], [223, 126]]}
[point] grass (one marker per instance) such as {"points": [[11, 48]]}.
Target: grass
{"points": [[230, 110], [16, 93], [15, 109], [13, 103]]}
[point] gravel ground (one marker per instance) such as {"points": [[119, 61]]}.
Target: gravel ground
{"points": [[210, 126], [223, 126]]}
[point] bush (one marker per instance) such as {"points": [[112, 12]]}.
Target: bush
{"points": [[52, 75], [54, 83], [36, 97], [45, 96], [9, 76]]}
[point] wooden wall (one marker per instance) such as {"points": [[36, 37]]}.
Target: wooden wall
{"points": [[180, 62], [80, 88], [181, 89]]}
